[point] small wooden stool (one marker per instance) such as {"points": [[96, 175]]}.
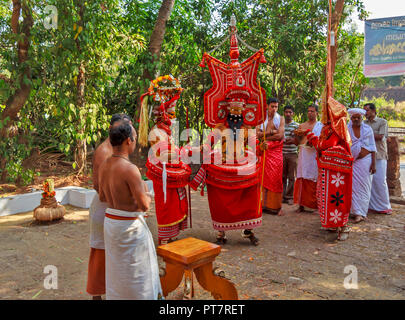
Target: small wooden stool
{"points": [[193, 255]]}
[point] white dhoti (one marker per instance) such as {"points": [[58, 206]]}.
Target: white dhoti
{"points": [[96, 215], [307, 166], [380, 198], [132, 271], [361, 186]]}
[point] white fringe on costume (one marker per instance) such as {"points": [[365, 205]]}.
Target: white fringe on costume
{"points": [[132, 271], [96, 216]]}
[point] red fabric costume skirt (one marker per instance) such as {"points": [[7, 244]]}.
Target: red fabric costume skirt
{"points": [[171, 215], [234, 195], [334, 189]]}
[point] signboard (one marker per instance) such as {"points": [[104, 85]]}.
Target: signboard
{"points": [[384, 52]]}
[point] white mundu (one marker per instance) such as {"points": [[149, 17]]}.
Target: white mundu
{"points": [[380, 198], [361, 184], [132, 271], [307, 166], [96, 215]]}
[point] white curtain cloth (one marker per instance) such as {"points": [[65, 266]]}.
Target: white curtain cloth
{"points": [[132, 271], [307, 166], [380, 198], [96, 216]]}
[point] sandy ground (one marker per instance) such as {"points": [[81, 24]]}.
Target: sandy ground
{"points": [[295, 258]]}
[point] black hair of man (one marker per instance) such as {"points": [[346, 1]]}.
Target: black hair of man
{"points": [[119, 116], [272, 100], [289, 107], [315, 106], [121, 132], [371, 106]]}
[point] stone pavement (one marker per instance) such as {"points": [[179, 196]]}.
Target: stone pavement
{"points": [[298, 260], [295, 259]]}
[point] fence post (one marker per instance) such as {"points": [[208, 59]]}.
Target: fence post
{"points": [[393, 167]]}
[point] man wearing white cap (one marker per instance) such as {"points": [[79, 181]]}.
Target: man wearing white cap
{"points": [[363, 150]]}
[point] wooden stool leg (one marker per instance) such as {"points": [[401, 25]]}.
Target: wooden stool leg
{"points": [[171, 279], [188, 285], [220, 288]]}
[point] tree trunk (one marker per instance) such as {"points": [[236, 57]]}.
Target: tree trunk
{"points": [[158, 34], [80, 153], [18, 99], [336, 16], [155, 46], [81, 144]]}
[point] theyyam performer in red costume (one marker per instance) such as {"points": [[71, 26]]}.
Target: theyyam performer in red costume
{"points": [[335, 161], [169, 174], [233, 106], [335, 166]]}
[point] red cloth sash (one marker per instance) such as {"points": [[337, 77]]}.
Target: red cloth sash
{"points": [[273, 168]]}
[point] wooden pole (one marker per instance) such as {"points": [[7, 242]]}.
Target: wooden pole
{"points": [[264, 152]]}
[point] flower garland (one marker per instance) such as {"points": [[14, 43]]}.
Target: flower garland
{"points": [[164, 88]]}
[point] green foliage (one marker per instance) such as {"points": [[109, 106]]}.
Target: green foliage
{"points": [[383, 82], [349, 80], [112, 47]]}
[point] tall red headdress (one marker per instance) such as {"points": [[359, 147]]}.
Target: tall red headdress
{"points": [[234, 84]]}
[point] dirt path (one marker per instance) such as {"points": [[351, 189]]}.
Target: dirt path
{"points": [[295, 259]]}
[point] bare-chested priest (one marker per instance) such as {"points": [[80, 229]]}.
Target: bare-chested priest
{"points": [[272, 196], [131, 263], [307, 166], [96, 267]]}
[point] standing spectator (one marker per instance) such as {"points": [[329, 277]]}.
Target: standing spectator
{"points": [[363, 151], [307, 166], [290, 154], [380, 198], [131, 266], [273, 129], [96, 267]]}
